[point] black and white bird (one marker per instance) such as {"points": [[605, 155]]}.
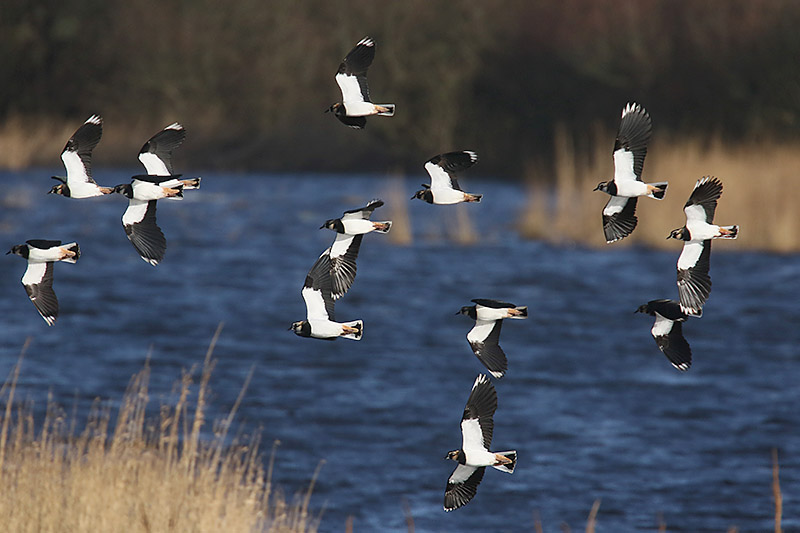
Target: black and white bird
{"points": [[350, 230], [38, 277], [668, 331], [444, 188], [630, 149], [484, 337], [156, 154], [320, 322], [77, 158], [474, 456], [352, 80], [139, 219], [694, 282]]}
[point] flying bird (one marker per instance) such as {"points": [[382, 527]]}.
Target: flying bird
{"points": [[474, 456], [350, 230], [694, 282], [444, 188], [77, 158], [630, 148], [352, 80], [38, 277], [320, 322], [484, 337], [139, 219], [668, 331], [156, 153]]}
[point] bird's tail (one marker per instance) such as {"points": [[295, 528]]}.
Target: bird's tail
{"points": [[657, 190], [728, 232], [191, 183], [469, 197], [382, 227], [353, 330], [72, 252], [385, 110], [518, 312], [508, 461]]}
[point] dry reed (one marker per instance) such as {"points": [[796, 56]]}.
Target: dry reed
{"points": [[140, 476], [759, 192]]}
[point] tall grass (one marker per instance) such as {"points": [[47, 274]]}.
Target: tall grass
{"points": [[760, 192], [138, 476]]}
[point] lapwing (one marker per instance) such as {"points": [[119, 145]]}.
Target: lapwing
{"points": [[630, 149], [444, 188], [668, 331], [320, 322], [77, 158], [474, 456], [350, 229], [38, 277], [352, 80], [694, 282], [484, 337]]}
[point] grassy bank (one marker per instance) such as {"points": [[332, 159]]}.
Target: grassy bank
{"points": [[759, 192], [138, 476]]}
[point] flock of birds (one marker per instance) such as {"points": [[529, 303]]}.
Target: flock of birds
{"points": [[334, 271]]}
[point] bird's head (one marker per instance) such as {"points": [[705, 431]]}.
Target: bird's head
{"points": [[681, 234], [456, 455], [301, 328], [468, 310], [337, 109], [424, 194], [19, 249], [644, 308], [61, 188], [607, 187], [125, 189], [335, 224]]}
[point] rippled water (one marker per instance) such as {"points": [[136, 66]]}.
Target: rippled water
{"points": [[593, 408]]}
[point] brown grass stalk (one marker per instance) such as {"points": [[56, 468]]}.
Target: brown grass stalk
{"points": [[776, 491], [142, 476]]}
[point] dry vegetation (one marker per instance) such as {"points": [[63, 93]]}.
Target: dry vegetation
{"points": [[759, 193], [135, 477]]}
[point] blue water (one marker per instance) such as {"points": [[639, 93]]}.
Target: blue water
{"points": [[593, 408]]}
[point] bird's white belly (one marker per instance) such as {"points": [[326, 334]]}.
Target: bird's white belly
{"points": [[359, 109], [84, 190], [447, 196], [325, 329], [357, 226], [631, 188], [702, 231], [478, 457], [146, 191]]}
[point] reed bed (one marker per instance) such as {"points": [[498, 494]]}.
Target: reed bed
{"points": [[759, 192], [141, 475]]}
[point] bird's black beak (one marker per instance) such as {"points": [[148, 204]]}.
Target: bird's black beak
{"points": [[669, 236], [8, 252], [290, 328], [322, 226], [596, 188]]}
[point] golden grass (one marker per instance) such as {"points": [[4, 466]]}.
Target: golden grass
{"points": [[141, 476], [759, 193]]}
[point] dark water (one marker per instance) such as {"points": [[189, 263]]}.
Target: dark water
{"points": [[593, 408]]}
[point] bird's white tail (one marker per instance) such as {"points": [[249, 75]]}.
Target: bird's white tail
{"points": [[385, 110], [75, 249], [383, 227], [354, 330], [507, 467], [659, 190], [728, 232], [518, 312]]}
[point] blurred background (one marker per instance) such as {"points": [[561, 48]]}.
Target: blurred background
{"points": [[536, 88]]}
